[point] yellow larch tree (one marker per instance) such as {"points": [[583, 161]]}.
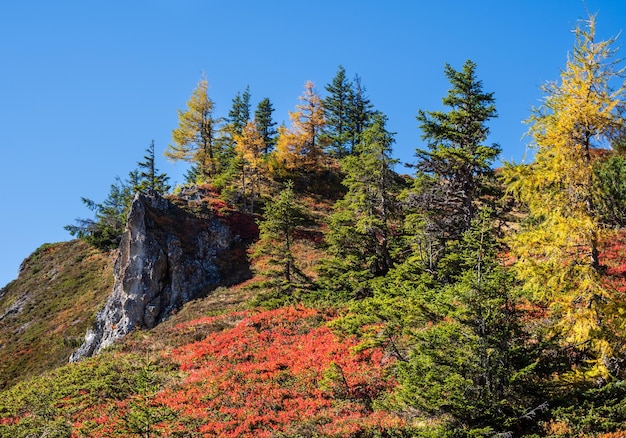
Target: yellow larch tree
{"points": [[302, 146], [249, 147], [557, 252], [285, 158], [194, 139]]}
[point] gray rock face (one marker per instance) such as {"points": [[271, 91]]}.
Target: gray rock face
{"points": [[167, 257]]}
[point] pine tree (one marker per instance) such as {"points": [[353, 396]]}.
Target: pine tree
{"points": [[338, 108], [558, 250], [194, 140], [265, 124], [454, 174], [150, 178]]}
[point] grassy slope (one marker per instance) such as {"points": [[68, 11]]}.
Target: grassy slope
{"points": [[45, 312]]}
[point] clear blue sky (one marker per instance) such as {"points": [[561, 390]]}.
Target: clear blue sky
{"points": [[85, 85]]}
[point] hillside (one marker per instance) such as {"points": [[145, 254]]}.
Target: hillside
{"points": [[222, 366], [270, 372], [45, 312], [298, 286]]}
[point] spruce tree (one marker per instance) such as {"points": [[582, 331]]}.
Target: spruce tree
{"points": [[239, 114], [454, 173], [109, 222], [149, 177], [466, 351], [265, 124], [230, 162], [105, 230], [277, 233], [338, 109], [360, 236], [192, 175], [361, 112]]}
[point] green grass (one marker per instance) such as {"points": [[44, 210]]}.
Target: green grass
{"points": [[61, 287]]}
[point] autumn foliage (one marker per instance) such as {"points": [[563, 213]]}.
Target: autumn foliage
{"points": [[460, 302], [278, 371], [272, 373]]}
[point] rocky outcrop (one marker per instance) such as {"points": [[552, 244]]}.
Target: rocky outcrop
{"points": [[168, 256]]}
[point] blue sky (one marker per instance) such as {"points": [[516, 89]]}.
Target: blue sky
{"points": [[85, 85]]}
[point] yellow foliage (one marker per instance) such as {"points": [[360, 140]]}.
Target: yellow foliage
{"points": [[249, 146], [557, 253], [557, 428], [302, 146], [193, 140], [287, 151]]}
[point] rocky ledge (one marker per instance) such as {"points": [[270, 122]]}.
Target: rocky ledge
{"points": [[168, 256]]}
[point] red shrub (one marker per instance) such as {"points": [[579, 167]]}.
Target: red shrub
{"points": [[277, 371], [256, 374]]}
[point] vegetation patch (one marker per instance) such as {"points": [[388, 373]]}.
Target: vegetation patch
{"points": [[60, 288]]}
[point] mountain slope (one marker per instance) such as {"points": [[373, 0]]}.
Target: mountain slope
{"points": [[45, 312]]}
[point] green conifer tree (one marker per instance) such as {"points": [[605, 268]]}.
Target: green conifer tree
{"points": [[338, 108], [265, 124], [282, 218], [150, 178], [361, 112], [454, 173], [230, 162], [105, 229], [359, 237], [109, 222], [239, 114], [466, 349]]}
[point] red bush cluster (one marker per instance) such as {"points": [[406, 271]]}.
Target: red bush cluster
{"points": [[278, 371], [243, 225], [274, 372]]}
